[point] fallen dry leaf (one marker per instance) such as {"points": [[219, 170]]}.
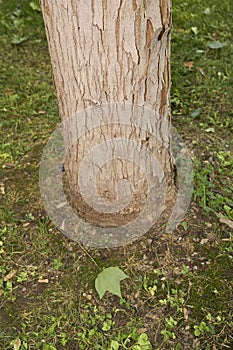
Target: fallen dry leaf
{"points": [[61, 205], [201, 70], [214, 36], [62, 227], [43, 281], [226, 221], [2, 188], [141, 330], [204, 241], [10, 275], [17, 344], [189, 64], [185, 312]]}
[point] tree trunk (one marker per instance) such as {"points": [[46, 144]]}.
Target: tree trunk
{"points": [[113, 56]]}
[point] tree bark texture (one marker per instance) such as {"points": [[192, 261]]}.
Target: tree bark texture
{"points": [[111, 51]]}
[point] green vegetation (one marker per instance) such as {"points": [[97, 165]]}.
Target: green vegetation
{"points": [[178, 294]]}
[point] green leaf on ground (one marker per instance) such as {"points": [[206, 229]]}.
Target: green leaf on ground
{"points": [[109, 280], [35, 6], [216, 45], [196, 113], [18, 41]]}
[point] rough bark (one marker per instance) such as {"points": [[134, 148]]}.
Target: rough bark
{"points": [[105, 51]]}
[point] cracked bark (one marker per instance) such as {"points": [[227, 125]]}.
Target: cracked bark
{"points": [[111, 51]]}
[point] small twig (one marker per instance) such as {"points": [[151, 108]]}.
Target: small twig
{"points": [[88, 254]]}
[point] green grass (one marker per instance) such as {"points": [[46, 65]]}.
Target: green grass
{"points": [[179, 291]]}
